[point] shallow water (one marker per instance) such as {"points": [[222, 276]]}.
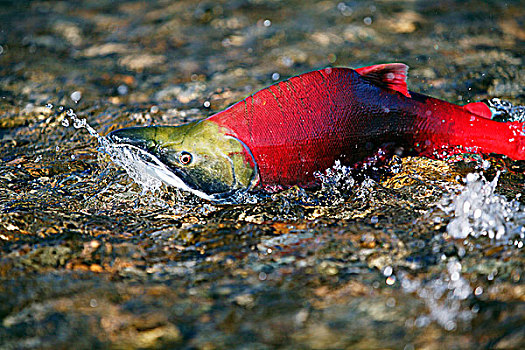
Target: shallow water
{"points": [[415, 254]]}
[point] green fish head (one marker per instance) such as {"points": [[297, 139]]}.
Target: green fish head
{"points": [[198, 157]]}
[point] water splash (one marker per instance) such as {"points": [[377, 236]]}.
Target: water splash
{"points": [[131, 160], [479, 211], [338, 176], [443, 297], [505, 111]]}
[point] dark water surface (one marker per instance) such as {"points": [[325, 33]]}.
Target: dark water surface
{"points": [[400, 258]]}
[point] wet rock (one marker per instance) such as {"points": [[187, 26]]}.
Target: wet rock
{"points": [[106, 49], [139, 62], [355, 33], [405, 22], [184, 93], [48, 256], [71, 32]]}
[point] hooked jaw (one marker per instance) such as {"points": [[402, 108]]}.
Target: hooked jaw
{"points": [[141, 142], [194, 157]]}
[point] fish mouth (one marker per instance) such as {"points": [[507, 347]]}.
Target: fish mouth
{"points": [[157, 169], [131, 150]]}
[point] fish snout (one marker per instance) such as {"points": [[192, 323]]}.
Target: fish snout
{"points": [[140, 137]]}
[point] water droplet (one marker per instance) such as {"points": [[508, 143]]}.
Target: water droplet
{"points": [[478, 291], [472, 177], [388, 271], [345, 10], [455, 276], [267, 23], [262, 276], [93, 303], [367, 21], [79, 123], [122, 89], [477, 213], [450, 325], [391, 280], [461, 252], [154, 109], [206, 104], [76, 96], [466, 207], [276, 76]]}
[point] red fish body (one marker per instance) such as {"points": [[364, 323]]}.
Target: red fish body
{"points": [[304, 124]]}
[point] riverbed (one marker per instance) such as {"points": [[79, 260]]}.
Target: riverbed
{"points": [[417, 253]]}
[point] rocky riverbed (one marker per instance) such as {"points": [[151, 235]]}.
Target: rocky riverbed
{"points": [[418, 253]]}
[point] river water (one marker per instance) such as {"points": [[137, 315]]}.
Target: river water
{"points": [[418, 253]]}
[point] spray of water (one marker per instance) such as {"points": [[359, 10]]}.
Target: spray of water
{"points": [[479, 211], [442, 296], [131, 160], [505, 111]]}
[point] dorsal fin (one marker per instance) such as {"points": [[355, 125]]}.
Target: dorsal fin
{"points": [[479, 109], [392, 76]]}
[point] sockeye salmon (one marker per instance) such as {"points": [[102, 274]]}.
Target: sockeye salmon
{"points": [[281, 135]]}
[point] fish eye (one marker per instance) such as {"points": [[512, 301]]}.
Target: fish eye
{"points": [[185, 158]]}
